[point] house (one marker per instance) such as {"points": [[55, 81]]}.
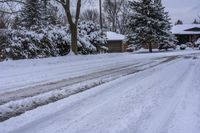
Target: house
{"points": [[116, 43], [186, 32]]}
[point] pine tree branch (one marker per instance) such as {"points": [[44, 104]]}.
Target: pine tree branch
{"points": [[62, 2], [9, 1]]}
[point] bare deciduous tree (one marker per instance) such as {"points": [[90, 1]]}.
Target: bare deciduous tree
{"points": [[123, 18], [73, 22], [90, 15], [112, 9]]}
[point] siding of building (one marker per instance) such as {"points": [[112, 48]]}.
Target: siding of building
{"points": [[116, 46], [182, 39]]}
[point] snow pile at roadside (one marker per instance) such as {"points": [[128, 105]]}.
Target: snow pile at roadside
{"points": [[15, 108]]}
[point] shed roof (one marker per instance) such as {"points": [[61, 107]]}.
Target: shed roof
{"points": [[186, 29], [113, 36]]}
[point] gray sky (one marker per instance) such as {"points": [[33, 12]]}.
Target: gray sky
{"points": [[185, 10]]}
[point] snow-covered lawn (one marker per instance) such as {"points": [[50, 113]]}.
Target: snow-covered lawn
{"points": [[161, 99]]}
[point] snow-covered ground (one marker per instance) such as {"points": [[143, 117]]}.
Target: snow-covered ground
{"points": [[25, 73], [161, 99]]}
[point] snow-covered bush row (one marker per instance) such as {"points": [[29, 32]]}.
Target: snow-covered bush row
{"points": [[50, 41], [23, 44], [90, 38]]}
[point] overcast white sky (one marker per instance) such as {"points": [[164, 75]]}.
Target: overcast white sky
{"points": [[185, 10]]}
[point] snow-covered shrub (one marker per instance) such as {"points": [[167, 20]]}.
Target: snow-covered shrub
{"points": [[183, 46], [189, 44], [58, 38], [168, 42], [3, 42], [132, 48], [23, 44], [197, 43], [90, 38]]}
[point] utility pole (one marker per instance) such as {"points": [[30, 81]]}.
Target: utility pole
{"points": [[100, 19], [100, 12]]}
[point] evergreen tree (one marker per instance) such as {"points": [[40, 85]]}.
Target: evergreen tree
{"points": [[49, 13], [142, 23], [31, 15], [165, 38], [149, 24], [179, 22], [36, 14]]}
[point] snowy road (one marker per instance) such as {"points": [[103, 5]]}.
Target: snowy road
{"points": [[162, 99], [15, 75], [117, 71], [17, 102]]}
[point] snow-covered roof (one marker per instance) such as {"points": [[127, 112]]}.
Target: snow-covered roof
{"points": [[113, 36], [183, 29]]}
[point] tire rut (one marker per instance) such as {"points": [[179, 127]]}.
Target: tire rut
{"points": [[40, 89], [116, 73]]}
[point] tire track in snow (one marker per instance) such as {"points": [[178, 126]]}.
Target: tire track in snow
{"points": [[186, 116], [17, 108], [85, 108], [161, 117], [86, 103], [40, 89]]}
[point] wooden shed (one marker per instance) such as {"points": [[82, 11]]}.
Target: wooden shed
{"points": [[116, 43]]}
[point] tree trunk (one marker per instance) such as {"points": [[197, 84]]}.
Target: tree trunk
{"points": [[73, 24], [113, 25], [74, 39], [150, 48]]}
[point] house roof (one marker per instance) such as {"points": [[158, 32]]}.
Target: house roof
{"points": [[186, 29], [113, 36]]}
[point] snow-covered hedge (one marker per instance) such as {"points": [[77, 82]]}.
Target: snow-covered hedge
{"points": [[90, 38], [23, 44], [50, 41]]}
